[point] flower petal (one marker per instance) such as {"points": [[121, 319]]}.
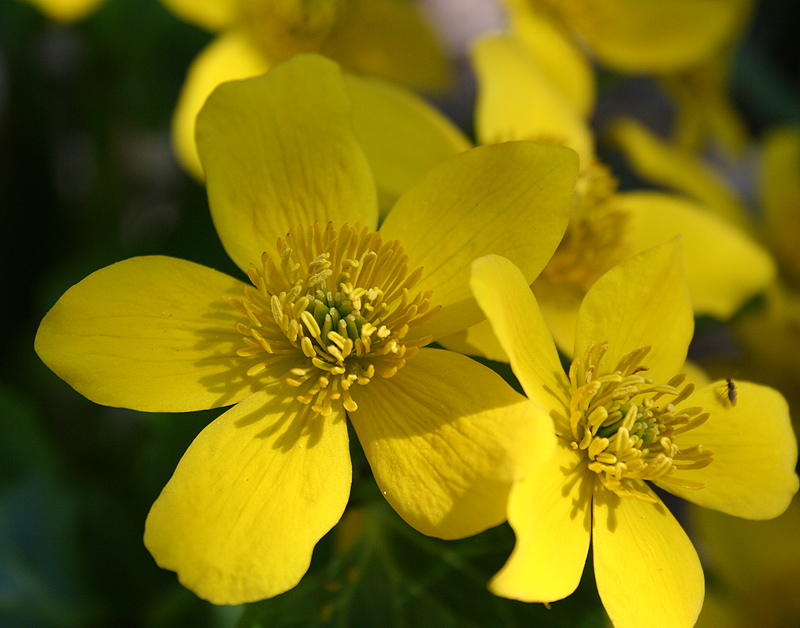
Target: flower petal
{"points": [[389, 39], [644, 301], [517, 100], [446, 438], [509, 199], [230, 57], [551, 515], [755, 452], [209, 15], [279, 151], [477, 340], [150, 333], [678, 169], [502, 292], [646, 36], [560, 304], [250, 498], [647, 571], [724, 267], [555, 51], [401, 134]]}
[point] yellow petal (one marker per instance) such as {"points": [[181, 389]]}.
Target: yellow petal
{"points": [[644, 36], [66, 10], [250, 498], [647, 571], [389, 39], [446, 437], [559, 303], [279, 151], [401, 134], [509, 199], [644, 301], [755, 452], [150, 333], [210, 15], [780, 194], [503, 294], [724, 267], [564, 63], [551, 516], [230, 57], [678, 169], [517, 100], [478, 340]]}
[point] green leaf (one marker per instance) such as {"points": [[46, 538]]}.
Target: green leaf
{"points": [[375, 570]]}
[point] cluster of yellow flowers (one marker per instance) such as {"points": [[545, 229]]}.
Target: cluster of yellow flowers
{"points": [[369, 227]]}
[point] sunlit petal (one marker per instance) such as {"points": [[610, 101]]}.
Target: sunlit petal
{"points": [[550, 512], [250, 498], [446, 438], [647, 571], [149, 333], [755, 452], [644, 301], [279, 151], [510, 199], [509, 305]]}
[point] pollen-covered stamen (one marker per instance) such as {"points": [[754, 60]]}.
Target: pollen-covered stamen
{"points": [[617, 420], [334, 311], [596, 238]]}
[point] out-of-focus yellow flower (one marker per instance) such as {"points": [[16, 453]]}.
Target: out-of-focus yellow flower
{"points": [[644, 36], [385, 38], [704, 113], [769, 333], [518, 100], [66, 10], [623, 419], [756, 566], [333, 325]]}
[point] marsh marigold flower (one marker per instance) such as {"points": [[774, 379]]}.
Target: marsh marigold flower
{"points": [[625, 418], [520, 98], [332, 325], [386, 38]]}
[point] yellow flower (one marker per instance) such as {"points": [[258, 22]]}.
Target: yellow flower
{"points": [[624, 419], [385, 38], [643, 36], [66, 10], [518, 99], [333, 325]]}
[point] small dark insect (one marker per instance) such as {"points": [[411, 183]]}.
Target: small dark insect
{"points": [[730, 391]]}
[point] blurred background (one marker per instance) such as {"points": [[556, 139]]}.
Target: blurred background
{"points": [[87, 178]]}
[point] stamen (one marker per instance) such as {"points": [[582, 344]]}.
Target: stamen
{"points": [[626, 436], [333, 311]]}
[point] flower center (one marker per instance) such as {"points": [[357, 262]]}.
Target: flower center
{"points": [[627, 436], [333, 312], [595, 238], [285, 28]]}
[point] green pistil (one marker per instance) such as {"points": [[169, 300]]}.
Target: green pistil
{"points": [[334, 313]]}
